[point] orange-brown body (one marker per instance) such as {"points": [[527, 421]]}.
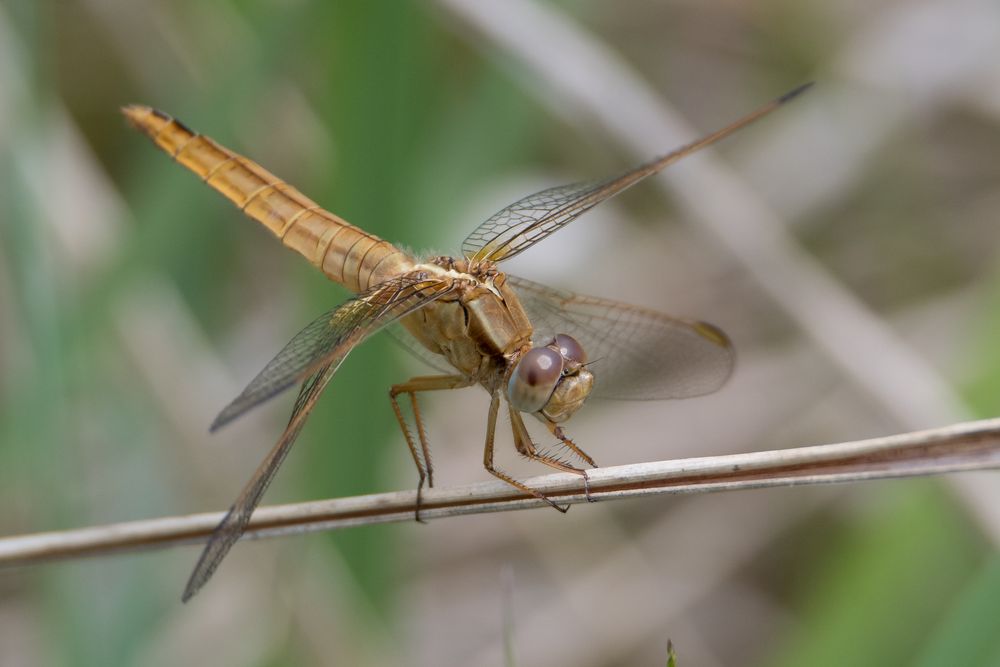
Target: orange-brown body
{"points": [[480, 329], [346, 254], [463, 309]]}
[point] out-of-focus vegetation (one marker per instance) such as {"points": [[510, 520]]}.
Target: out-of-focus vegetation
{"points": [[134, 303]]}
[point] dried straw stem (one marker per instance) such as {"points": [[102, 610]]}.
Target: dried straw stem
{"points": [[960, 447]]}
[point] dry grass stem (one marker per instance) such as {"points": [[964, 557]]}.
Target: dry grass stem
{"points": [[961, 447]]}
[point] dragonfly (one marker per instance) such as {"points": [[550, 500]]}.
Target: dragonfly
{"points": [[529, 346]]}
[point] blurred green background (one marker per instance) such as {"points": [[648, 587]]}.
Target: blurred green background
{"points": [[134, 303]]}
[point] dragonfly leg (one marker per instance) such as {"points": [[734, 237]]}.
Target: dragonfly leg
{"points": [[491, 427], [557, 431], [527, 449], [421, 457]]}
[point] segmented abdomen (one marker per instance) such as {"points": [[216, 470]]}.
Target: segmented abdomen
{"points": [[346, 254]]}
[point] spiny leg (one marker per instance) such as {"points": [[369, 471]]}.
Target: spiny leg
{"points": [[421, 458], [422, 437], [421, 471], [491, 427], [522, 440], [524, 445], [557, 431]]}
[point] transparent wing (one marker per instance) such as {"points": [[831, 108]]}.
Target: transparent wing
{"points": [[315, 354], [524, 223], [347, 324], [635, 353], [235, 522], [527, 221]]}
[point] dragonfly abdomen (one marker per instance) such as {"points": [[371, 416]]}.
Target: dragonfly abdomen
{"points": [[346, 254]]}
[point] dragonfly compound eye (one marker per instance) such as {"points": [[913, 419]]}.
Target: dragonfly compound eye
{"points": [[570, 349], [534, 378]]}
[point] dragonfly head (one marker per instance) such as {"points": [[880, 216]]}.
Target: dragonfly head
{"points": [[551, 379]]}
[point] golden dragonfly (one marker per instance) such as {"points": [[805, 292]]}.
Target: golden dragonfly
{"points": [[526, 344]]}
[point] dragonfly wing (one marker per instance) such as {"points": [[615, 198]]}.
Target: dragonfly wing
{"points": [[314, 355], [331, 334], [527, 221], [235, 522], [636, 353]]}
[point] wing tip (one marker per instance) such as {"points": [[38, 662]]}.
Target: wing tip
{"points": [[713, 334], [228, 414], [795, 92], [248, 400], [202, 572], [220, 420], [189, 592]]}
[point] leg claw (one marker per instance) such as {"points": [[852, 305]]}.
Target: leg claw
{"points": [[586, 488]]}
